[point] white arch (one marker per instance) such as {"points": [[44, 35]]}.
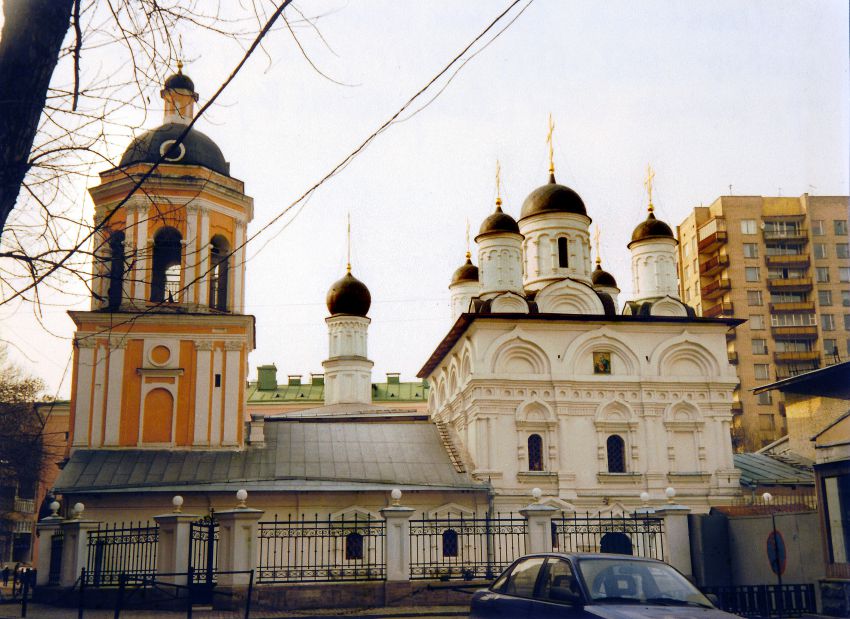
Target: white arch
{"points": [[615, 412], [682, 411], [682, 356], [509, 303], [579, 354], [569, 296], [668, 306], [535, 411], [519, 356]]}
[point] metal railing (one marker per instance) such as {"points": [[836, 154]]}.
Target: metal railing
{"points": [[465, 547], [57, 543], [640, 535], [765, 600], [321, 549], [120, 549]]}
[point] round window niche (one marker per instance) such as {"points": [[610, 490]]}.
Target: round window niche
{"points": [[160, 355]]}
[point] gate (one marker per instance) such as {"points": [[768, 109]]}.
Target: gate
{"points": [[203, 538], [639, 534]]}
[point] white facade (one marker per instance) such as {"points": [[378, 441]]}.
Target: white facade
{"points": [[348, 371], [500, 263], [654, 269], [541, 255]]}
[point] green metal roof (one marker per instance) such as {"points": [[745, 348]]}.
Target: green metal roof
{"points": [[381, 392], [761, 469]]}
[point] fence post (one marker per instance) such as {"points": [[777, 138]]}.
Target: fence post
{"points": [[47, 528], [397, 531], [539, 519], [75, 546], [237, 543], [677, 540], [172, 553]]}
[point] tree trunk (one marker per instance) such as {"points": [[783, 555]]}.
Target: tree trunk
{"points": [[29, 50]]}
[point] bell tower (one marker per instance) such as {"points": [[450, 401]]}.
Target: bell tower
{"points": [[160, 360]]}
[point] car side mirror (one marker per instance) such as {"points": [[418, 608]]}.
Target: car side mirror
{"points": [[711, 597], [564, 594]]}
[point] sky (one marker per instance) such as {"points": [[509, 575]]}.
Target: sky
{"points": [[752, 95]]}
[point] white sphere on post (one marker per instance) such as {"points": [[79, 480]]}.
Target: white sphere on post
{"points": [[242, 497], [670, 493], [536, 493], [79, 508], [395, 495], [177, 502]]}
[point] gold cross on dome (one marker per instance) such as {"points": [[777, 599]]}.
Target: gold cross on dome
{"points": [[348, 243], [468, 253], [498, 182], [650, 175], [551, 145], [596, 234]]}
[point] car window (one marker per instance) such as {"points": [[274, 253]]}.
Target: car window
{"points": [[522, 579], [559, 583]]}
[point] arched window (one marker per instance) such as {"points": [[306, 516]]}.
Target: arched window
{"points": [[563, 260], [450, 543], [616, 454], [219, 272], [167, 253], [353, 546], [535, 453], [116, 270]]}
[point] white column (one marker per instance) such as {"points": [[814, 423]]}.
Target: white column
{"points": [[47, 528], [204, 258], [397, 550], [237, 270], [114, 388], [237, 544], [234, 378], [85, 376], [141, 274], [74, 549], [192, 255], [677, 541], [202, 392], [539, 519], [215, 394], [100, 379], [172, 552]]}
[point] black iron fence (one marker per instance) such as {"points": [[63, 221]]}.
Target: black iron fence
{"points": [[321, 549], [465, 547], [765, 600], [639, 535], [120, 549], [57, 543]]}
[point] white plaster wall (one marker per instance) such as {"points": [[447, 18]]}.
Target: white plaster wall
{"points": [[654, 269], [500, 263], [541, 234]]}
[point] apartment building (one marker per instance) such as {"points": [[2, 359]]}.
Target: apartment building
{"points": [[784, 265]]}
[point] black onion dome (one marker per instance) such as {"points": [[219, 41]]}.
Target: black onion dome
{"points": [[180, 81], [651, 228], [466, 272], [349, 296], [602, 278], [552, 198], [195, 149], [498, 223]]}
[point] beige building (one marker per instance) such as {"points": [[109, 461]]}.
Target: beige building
{"points": [[783, 264]]}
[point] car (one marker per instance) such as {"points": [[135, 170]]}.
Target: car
{"points": [[589, 586]]}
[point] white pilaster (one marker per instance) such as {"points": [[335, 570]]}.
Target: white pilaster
{"points": [[202, 392], [141, 274], [397, 520], [85, 379], [215, 394], [233, 373], [115, 387], [237, 270], [204, 258], [100, 379], [237, 545], [192, 255]]}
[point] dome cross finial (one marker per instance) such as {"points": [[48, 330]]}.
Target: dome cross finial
{"points": [[549, 141], [468, 253], [596, 234], [348, 245], [650, 175], [498, 183]]}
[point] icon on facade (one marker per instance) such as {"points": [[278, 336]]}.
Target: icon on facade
{"points": [[601, 363]]}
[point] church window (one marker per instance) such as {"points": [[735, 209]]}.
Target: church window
{"points": [[616, 454], [116, 270], [450, 543], [563, 260], [353, 546], [165, 279], [219, 272], [535, 453]]}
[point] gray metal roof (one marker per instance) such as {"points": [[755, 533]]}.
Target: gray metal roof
{"points": [[761, 469], [298, 456]]}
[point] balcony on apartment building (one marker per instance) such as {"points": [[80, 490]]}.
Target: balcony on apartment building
{"points": [[721, 309], [733, 357], [24, 506], [799, 261], [716, 288], [796, 356], [795, 332], [711, 235], [792, 284], [714, 265], [787, 235], [798, 306]]}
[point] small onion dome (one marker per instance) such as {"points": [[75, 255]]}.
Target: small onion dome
{"points": [[349, 296], [195, 149], [179, 81], [602, 278], [466, 272], [498, 223], [651, 228], [552, 198]]}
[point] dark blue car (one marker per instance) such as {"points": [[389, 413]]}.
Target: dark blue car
{"points": [[579, 586]]}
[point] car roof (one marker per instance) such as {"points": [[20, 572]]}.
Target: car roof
{"points": [[589, 555]]}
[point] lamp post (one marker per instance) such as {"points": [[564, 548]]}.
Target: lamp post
{"points": [[780, 606]]}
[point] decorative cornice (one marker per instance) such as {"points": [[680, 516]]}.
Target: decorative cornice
{"points": [[85, 342], [233, 345], [203, 344]]}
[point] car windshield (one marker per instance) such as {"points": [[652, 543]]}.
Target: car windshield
{"points": [[621, 581]]}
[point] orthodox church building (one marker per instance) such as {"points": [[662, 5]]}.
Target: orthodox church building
{"points": [[540, 382]]}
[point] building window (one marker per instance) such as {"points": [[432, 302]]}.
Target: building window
{"points": [[845, 298], [756, 322], [759, 346], [792, 320], [616, 454], [762, 371], [844, 274], [830, 347], [687, 271], [820, 251], [116, 270], [450, 545], [817, 227], [751, 274], [353, 546], [840, 227], [822, 274], [754, 297], [165, 278], [847, 322], [825, 297], [535, 453], [764, 398], [563, 261], [842, 250], [827, 322], [751, 250], [219, 272], [748, 226]]}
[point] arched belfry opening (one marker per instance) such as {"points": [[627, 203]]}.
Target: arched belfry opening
{"points": [[114, 293], [167, 255], [219, 275], [563, 259]]}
